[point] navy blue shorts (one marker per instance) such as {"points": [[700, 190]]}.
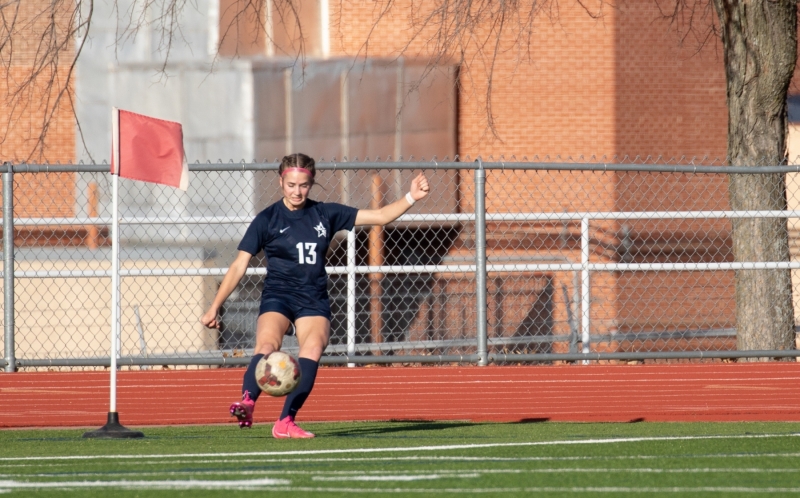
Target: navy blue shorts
{"points": [[293, 310]]}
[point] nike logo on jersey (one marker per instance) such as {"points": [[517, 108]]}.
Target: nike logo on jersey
{"points": [[284, 229]]}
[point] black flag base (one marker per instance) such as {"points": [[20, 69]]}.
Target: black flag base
{"points": [[113, 430]]}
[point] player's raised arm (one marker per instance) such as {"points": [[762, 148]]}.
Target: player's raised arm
{"points": [[389, 213], [229, 282]]}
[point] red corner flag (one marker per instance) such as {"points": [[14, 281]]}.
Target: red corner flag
{"points": [[148, 149]]}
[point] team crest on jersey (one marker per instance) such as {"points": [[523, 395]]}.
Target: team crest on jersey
{"points": [[321, 232]]}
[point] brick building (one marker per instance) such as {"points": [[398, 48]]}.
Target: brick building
{"points": [[619, 83]]}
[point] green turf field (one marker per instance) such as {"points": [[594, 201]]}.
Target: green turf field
{"points": [[412, 459]]}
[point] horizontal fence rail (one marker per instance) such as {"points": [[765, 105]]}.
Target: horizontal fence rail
{"points": [[504, 262], [665, 215], [646, 165]]}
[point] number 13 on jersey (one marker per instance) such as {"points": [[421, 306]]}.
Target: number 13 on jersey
{"points": [[307, 256]]}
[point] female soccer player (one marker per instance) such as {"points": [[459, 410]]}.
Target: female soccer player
{"points": [[294, 234]]}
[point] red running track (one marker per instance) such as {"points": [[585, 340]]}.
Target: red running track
{"points": [[589, 393]]}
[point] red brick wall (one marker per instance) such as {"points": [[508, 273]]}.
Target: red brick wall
{"points": [[628, 83], [623, 84], [33, 128], [670, 98], [560, 101], [26, 108]]}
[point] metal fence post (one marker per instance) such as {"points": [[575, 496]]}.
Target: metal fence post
{"points": [[586, 302], [480, 262], [8, 267], [351, 295]]}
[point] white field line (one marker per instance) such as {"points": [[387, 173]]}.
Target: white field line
{"points": [[187, 484], [394, 477], [344, 475], [422, 458], [553, 489], [257, 485], [404, 449]]}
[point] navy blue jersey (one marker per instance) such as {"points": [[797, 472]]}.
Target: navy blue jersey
{"points": [[295, 244]]}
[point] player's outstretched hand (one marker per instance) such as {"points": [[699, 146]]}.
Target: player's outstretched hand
{"points": [[209, 319], [419, 187]]}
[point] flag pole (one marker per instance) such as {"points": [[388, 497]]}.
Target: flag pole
{"points": [[113, 429]]}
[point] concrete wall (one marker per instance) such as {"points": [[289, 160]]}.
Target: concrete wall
{"points": [[70, 318], [255, 108], [211, 98], [333, 110]]}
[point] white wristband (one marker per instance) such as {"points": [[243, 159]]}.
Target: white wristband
{"points": [[410, 199]]}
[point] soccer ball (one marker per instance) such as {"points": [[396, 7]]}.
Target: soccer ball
{"points": [[277, 374]]}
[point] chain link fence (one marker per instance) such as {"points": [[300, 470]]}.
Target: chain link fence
{"points": [[503, 262]]}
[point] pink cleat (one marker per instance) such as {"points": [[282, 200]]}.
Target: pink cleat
{"points": [[286, 428], [243, 410]]}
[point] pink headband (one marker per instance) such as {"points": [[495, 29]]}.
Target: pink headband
{"points": [[301, 170]]}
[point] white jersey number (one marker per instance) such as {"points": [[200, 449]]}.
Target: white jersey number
{"points": [[309, 256]]}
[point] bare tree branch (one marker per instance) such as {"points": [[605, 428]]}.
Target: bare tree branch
{"points": [[690, 19], [38, 51], [485, 29]]}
